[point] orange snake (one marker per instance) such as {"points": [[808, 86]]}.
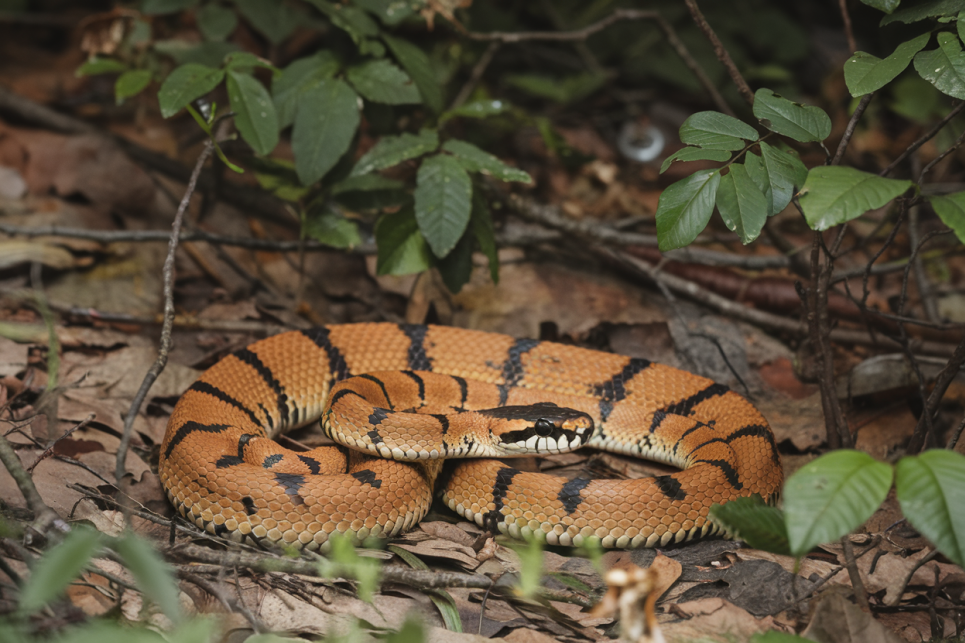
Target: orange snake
{"points": [[221, 469]]}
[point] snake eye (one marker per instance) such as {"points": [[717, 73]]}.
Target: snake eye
{"points": [[544, 428]]}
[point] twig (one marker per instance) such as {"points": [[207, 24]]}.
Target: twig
{"points": [[848, 33], [45, 518], [930, 134], [474, 77], [852, 124], [944, 379], [162, 358], [722, 54], [617, 16], [230, 603], [860, 594], [267, 562], [953, 441], [50, 449], [911, 573]]}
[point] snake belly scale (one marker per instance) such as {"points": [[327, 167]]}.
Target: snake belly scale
{"points": [[222, 470]]}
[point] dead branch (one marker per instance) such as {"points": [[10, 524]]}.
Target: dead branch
{"points": [[722, 54]]}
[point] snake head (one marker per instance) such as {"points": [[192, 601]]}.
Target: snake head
{"points": [[538, 428]]}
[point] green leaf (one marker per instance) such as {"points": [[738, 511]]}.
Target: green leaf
{"points": [[276, 20], [456, 267], [216, 22], [416, 63], [785, 175], [352, 20], [803, 123], [685, 208], [742, 205], [255, 115], [325, 124], [482, 226], [716, 131], [331, 228], [392, 150], [402, 248], [131, 83], [834, 194], [755, 522], [474, 159], [210, 54], [944, 67], [381, 81], [864, 73], [921, 10], [58, 568], [686, 154], [298, 77], [411, 632], [161, 7], [369, 192], [390, 12], [246, 61], [184, 84], [883, 5], [530, 567], [100, 65], [780, 637], [931, 491], [951, 210], [477, 109], [443, 202], [828, 497], [154, 577], [562, 90]]}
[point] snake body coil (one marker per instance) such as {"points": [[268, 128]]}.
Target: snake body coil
{"points": [[465, 393]]}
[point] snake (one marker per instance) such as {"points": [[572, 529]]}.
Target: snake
{"points": [[404, 400]]}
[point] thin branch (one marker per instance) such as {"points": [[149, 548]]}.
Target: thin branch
{"points": [[944, 379], [162, 358], [45, 518], [848, 33], [618, 15], [860, 594], [477, 72], [929, 135], [722, 54], [852, 124]]}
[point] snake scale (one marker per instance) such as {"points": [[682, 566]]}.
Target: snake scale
{"points": [[371, 383]]}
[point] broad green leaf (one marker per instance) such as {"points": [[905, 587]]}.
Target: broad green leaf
{"points": [[161, 7], [184, 84], [366, 183], [835, 194], [927, 9], [58, 568], [562, 90], [530, 566], [482, 226], [944, 67], [246, 61], [716, 131], [832, 495], [390, 12], [742, 205], [369, 192], [100, 65], [755, 169], [785, 175], [443, 202], [864, 73], [685, 208], [352, 20], [951, 210], [105, 631], [685, 154], [131, 83], [402, 248], [210, 54], [331, 228], [916, 99], [477, 109], [255, 115], [476, 160], [298, 77], [381, 81], [416, 63], [216, 22], [325, 124], [755, 522], [276, 20], [883, 5], [456, 267], [153, 576], [778, 637], [411, 631], [803, 123], [392, 150], [931, 491]]}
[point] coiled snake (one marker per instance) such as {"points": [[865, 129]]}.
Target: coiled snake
{"points": [[388, 382]]}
